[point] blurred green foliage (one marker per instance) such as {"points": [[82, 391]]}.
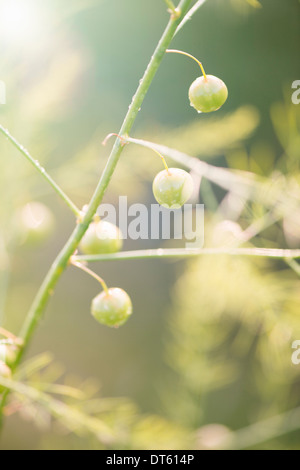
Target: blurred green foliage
{"points": [[210, 340]]}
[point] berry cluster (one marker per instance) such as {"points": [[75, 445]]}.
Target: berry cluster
{"points": [[172, 187]]}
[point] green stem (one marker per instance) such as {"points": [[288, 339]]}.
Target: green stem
{"points": [[171, 7], [41, 170], [126, 141], [264, 431], [62, 260], [184, 253], [190, 14], [293, 264]]}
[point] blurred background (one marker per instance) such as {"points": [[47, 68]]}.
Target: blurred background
{"points": [[208, 349]]}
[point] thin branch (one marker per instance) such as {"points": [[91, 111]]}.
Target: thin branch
{"points": [[266, 430], [190, 14], [41, 171], [170, 6], [190, 253], [260, 225], [293, 264], [239, 182], [71, 417], [242, 183]]}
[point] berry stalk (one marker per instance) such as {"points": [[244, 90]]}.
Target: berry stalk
{"points": [[175, 51], [91, 273]]}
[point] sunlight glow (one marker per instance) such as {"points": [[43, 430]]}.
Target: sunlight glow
{"points": [[20, 21]]}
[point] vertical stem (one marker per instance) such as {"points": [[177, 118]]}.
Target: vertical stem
{"points": [[62, 260]]}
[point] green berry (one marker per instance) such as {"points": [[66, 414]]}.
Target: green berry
{"points": [[112, 308], [173, 187], [35, 223], [100, 238], [5, 372], [208, 94]]}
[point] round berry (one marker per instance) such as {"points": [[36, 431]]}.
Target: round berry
{"points": [[112, 307], [208, 93], [173, 187], [5, 372], [100, 238], [35, 223]]}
